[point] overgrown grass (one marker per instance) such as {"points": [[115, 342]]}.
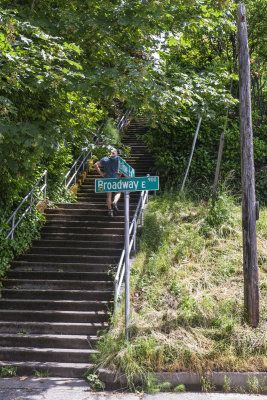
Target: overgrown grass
{"points": [[187, 294]]}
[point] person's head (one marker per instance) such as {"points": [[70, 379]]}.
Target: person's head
{"points": [[113, 153]]}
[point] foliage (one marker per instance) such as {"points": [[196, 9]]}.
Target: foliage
{"points": [[8, 371], [171, 153], [33, 64], [187, 294], [94, 381], [67, 66], [27, 230], [206, 384], [179, 388], [42, 374], [226, 384]]}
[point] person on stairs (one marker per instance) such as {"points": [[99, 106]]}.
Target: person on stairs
{"points": [[110, 165]]}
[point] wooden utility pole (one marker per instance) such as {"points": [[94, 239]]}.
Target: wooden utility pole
{"points": [[249, 206]]}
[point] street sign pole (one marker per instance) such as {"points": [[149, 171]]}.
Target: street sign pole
{"points": [[127, 185], [127, 264]]}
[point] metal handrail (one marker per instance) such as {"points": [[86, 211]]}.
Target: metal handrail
{"points": [[79, 164], [138, 215], [32, 203], [77, 167], [124, 119]]}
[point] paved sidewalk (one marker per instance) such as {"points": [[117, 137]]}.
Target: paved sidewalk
{"points": [[23, 388]]}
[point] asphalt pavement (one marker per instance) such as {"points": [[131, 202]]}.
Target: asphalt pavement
{"points": [[25, 388]]}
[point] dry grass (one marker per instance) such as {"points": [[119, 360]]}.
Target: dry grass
{"points": [[187, 294]]}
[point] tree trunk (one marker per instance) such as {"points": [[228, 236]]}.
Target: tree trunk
{"points": [[250, 261]]}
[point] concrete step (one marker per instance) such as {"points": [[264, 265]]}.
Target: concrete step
{"points": [[41, 275], [60, 258], [55, 316], [112, 223], [59, 267], [140, 163], [57, 284], [55, 294], [102, 196], [79, 244], [88, 218], [101, 211], [99, 214], [56, 369], [69, 207], [83, 237], [59, 328], [139, 160], [101, 204], [44, 341], [90, 251], [81, 230], [61, 305], [74, 207], [46, 354]]}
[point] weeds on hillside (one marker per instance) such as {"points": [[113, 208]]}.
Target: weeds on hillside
{"points": [[187, 294]]}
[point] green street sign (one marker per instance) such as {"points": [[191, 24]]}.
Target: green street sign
{"points": [[126, 169], [127, 184]]}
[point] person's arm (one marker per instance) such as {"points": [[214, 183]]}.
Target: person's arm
{"points": [[97, 166]]}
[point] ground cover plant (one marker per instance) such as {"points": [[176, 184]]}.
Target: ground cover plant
{"points": [[187, 293]]}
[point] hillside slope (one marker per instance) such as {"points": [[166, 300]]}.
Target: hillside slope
{"points": [[187, 293]]}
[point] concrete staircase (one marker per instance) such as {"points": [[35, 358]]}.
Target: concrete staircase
{"points": [[58, 297]]}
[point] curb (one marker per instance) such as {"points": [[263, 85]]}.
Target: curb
{"points": [[232, 381]]}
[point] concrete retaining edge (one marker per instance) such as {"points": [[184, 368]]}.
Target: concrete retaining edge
{"points": [[233, 381]]}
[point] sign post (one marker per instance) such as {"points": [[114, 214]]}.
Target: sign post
{"points": [[128, 171], [127, 263], [127, 185]]}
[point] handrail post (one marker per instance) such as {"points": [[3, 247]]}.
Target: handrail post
{"points": [[192, 152], [115, 296], [134, 236], [141, 210], [45, 179]]}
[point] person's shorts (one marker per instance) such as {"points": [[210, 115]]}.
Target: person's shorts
{"points": [[114, 176]]}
